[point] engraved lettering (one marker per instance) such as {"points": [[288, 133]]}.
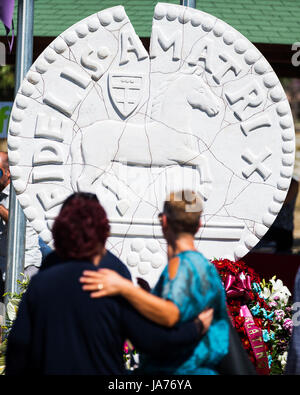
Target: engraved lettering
{"points": [[49, 127], [165, 43], [256, 164], [202, 51], [40, 175], [78, 78], [68, 105], [48, 153], [131, 43], [229, 65], [52, 199], [251, 95], [262, 121], [63, 106], [88, 62]]}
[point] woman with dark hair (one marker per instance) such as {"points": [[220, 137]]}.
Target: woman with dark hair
{"points": [[83, 235], [80, 234], [59, 329], [188, 284]]}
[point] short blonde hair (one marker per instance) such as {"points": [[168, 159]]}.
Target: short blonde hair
{"points": [[183, 210]]}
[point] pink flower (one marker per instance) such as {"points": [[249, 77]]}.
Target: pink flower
{"points": [[279, 315], [288, 324], [126, 348], [273, 304]]}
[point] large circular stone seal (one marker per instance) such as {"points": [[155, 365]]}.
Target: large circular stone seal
{"points": [[203, 111]]}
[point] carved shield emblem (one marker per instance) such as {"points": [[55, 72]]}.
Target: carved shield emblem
{"points": [[125, 91]]}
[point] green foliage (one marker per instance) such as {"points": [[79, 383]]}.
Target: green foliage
{"points": [[7, 83]]}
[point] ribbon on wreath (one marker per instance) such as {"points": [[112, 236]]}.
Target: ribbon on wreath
{"points": [[255, 337], [239, 286]]}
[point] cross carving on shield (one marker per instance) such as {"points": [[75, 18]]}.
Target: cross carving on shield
{"points": [[125, 91]]}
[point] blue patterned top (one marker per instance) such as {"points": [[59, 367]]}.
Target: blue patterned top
{"points": [[196, 286]]}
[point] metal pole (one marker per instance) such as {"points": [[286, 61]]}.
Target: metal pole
{"points": [[16, 220], [188, 3]]}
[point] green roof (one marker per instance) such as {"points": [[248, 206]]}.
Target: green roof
{"points": [[261, 21]]}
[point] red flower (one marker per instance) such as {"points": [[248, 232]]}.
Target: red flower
{"points": [[235, 308], [219, 264], [239, 321], [246, 344]]}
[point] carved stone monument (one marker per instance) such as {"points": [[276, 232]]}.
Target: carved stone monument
{"points": [[203, 110]]}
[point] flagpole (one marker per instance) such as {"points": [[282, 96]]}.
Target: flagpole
{"points": [[16, 219]]}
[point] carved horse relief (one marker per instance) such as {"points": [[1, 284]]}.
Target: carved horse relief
{"points": [[157, 142]]}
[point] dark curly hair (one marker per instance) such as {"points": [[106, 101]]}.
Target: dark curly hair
{"points": [[80, 227]]}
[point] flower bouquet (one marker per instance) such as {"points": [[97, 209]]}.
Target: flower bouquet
{"points": [[11, 313], [279, 329], [130, 356], [261, 313]]}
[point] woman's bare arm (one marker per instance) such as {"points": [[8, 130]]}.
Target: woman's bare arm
{"points": [[161, 311]]}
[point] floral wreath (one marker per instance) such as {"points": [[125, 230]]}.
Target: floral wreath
{"points": [[261, 313]]}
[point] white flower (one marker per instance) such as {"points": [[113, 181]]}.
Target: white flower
{"points": [[279, 291], [11, 311], [136, 358], [283, 359], [127, 362], [276, 285], [266, 293], [12, 308]]}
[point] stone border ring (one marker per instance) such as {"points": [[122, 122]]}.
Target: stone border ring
{"points": [[100, 286]]}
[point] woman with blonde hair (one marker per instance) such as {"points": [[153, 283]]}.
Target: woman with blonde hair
{"points": [[188, 284]]}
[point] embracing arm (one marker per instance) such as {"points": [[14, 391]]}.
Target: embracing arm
{"points": [[153, 339], [161, 311]]}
